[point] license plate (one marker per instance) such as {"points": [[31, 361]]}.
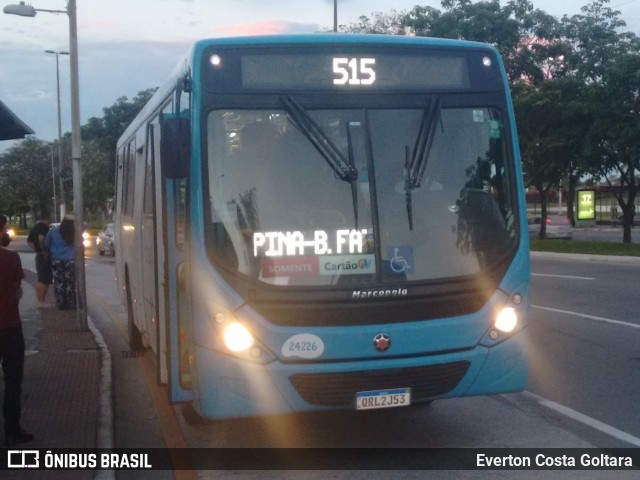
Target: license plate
{"points": [[397, 397]]}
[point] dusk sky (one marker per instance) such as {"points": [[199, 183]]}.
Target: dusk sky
{"points": [[129, 45]]}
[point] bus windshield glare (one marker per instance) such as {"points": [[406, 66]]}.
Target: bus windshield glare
{"points": [[285, 212]]}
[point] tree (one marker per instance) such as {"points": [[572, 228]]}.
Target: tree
{"points": [[25, 188], [615, 136], [595, 40], [98, 178], [382, 23], [607, 61], [100, 136], [550, 120], [525, 37], [105, 131]]}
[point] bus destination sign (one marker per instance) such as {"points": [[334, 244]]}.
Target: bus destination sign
{"points": [[349, 70], [380, 71]]}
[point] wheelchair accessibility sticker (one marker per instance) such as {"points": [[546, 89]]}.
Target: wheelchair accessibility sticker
{"points": [[400, 259]]}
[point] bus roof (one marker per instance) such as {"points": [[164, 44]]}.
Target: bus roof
{"points": [[339, 38]]}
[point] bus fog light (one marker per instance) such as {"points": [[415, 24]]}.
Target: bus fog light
{"points": [[506, 320], [237, 338], [256, 352]]}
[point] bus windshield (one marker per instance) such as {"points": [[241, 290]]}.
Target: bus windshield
{"points": [[282, 210]]}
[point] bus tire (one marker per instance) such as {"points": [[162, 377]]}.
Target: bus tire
{"points": [[424, 404], [191, 416], [135, 337]]}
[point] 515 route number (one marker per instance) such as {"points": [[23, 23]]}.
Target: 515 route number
{"points": [[354, 71]]}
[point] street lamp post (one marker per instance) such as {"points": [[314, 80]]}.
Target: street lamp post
{"points": [[53, 182], [335, 15], [24, 10], [62, 202]]}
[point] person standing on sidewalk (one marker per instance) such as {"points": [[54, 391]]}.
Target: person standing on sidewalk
{"points": [[43, 265], [5, 238], [11, 342], [60, 243]]}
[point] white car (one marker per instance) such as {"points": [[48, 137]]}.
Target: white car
{"points": [[105, 240], [558, 226]]}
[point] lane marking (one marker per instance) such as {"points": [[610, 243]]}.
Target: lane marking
{"points": [[585, 419], [572, 277], [589, 317]]}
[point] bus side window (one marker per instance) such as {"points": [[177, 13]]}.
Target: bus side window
{"points": [[129, 178]]}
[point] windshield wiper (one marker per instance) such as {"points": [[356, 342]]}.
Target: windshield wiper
{"points": [[424, 141], [354, 183], [344, 169], [407, 186], [416, 163]]}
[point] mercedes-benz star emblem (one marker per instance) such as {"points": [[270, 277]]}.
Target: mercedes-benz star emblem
{"points": [[382, 342]]}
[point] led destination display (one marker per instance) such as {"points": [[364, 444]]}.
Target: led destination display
{"points": [[352, 72], [347, 69], [277, 244]]}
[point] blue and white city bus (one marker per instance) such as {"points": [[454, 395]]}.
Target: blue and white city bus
{"points": [[326, 222]]}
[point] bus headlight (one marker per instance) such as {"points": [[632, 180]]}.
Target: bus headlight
{"points": [[232, 337], [506, 320], [86, 239], [237, 338]]}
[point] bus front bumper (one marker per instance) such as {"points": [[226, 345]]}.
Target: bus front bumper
{"points": [[228, 387]]}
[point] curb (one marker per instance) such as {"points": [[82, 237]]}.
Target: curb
{"points": [[105, 422]]}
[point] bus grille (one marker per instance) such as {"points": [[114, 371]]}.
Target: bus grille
{"points": [[339, 389]]}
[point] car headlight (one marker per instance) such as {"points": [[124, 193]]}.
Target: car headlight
{"points": [[11, 232]]}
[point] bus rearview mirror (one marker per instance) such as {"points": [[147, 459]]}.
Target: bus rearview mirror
{"points": [[175, 147]]}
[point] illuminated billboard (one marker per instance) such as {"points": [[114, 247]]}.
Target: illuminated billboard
{"points": [[586, 205]]}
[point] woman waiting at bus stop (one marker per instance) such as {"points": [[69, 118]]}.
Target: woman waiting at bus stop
{"points": [[60, 244]]}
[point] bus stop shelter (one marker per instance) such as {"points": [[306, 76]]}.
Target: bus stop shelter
{"points": [[11, 127]]}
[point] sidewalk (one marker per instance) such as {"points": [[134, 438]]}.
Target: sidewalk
{"points": [[63, 393]]}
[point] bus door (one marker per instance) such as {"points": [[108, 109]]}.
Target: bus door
{"points": [[175, 155]]}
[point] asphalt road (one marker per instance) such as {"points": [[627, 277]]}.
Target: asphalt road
{"points": [[586, 338]]}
